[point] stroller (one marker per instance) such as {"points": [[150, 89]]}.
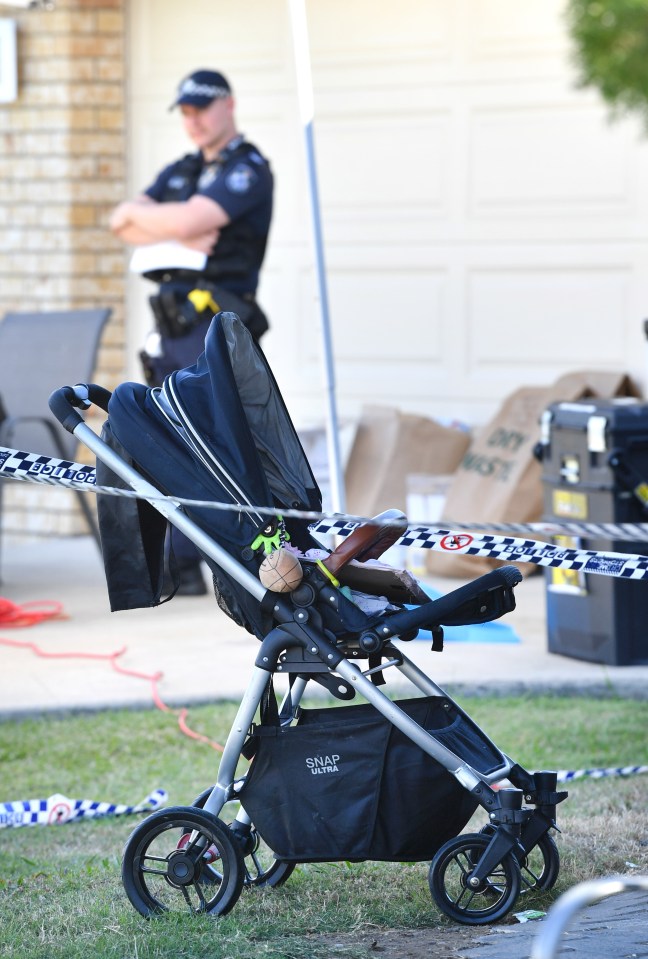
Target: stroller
{"points": [[384, 779]]}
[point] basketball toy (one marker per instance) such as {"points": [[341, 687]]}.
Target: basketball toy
{"points": [[280, 571]]}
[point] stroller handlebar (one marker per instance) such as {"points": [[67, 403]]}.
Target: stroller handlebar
{"points": [[65, 402]]}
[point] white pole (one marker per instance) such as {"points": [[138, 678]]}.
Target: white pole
{"points": [[305, 95]]}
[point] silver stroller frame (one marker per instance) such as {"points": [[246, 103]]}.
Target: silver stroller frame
{"points": [[491, 867]]}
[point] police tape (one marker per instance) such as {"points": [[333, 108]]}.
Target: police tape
{"points": [[569, 775], [58, 809], [462, 538], [507, 549]]}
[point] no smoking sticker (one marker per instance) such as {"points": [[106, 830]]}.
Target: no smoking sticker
{"points": [[59, 810], [456, 541]]}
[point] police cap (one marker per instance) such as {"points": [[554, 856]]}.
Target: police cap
{"points": [[200, 88]]}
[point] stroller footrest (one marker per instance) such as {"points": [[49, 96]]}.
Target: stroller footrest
{"points": [[481, 601]]}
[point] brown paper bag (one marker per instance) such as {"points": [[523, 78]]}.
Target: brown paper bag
{"points": [[499, 479], [388, 446]]}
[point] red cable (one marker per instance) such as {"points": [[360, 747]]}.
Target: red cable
{"points": [[193, 734], [29, 614]]}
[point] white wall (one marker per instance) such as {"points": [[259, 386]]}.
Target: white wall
{"points": [[485, 226]]}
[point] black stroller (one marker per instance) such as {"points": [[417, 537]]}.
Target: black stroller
{"points": [[380, 780]]}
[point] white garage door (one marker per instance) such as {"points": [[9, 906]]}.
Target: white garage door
{"points": [[485, 226]]}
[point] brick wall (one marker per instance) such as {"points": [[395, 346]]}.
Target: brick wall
{"points": [[63, 168]]}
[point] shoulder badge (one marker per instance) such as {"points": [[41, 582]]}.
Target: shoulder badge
{"points": [[240, 179]]}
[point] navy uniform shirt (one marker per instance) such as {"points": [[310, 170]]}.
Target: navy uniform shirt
{"points": [[241, 182]]}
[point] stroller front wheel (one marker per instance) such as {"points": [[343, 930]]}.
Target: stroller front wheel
{"points": [[201, 873], [540, 866], [448, 879]]}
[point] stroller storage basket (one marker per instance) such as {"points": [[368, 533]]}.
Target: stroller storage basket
{"points": [[344, 783]]}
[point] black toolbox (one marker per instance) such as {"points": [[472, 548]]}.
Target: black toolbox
{"points": [[594, 456]]}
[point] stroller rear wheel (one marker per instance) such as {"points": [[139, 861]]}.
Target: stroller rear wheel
{"points": [[203, 873], [448, 878], [261, 868], [540, 866]]}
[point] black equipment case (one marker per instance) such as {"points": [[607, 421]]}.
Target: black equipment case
{"points": [[594, 455]]}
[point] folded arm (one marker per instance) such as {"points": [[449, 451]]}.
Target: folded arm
{"points": [[195, 222]]}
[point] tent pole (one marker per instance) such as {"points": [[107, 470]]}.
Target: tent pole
{"points": [[305, 94]]}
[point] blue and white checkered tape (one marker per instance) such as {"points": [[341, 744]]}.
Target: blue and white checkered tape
{"points": [[58, 809], [463, 538]]}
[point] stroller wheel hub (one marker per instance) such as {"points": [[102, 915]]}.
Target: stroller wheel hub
{"points": [[181, 868]]}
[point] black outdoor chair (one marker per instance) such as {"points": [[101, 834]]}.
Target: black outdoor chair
{"points": [[38, 353]]}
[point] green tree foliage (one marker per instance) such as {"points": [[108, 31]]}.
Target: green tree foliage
{"points": [[611, 51]]}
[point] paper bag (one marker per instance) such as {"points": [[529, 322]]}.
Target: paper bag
{"points": [[499, 479], [388, 446]]}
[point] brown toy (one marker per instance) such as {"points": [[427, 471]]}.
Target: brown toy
{"points": [[280, 571]]}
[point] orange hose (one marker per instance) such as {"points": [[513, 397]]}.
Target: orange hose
{"points": [[37, 611]]}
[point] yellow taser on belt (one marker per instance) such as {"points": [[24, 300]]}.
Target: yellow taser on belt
{"points": [[202, 300]]}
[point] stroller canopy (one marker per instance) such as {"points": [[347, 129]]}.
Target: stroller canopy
{"points": [[218, 430]]}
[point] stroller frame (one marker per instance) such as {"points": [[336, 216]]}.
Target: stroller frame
{"points": [[475, 878]]}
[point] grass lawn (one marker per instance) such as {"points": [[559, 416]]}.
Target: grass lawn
{"points": [[60, 889]]}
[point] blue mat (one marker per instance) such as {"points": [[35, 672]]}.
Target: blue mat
{"points": [[496, 632]]}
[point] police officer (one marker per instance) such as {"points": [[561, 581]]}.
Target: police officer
{"points": [[218, 202]]}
